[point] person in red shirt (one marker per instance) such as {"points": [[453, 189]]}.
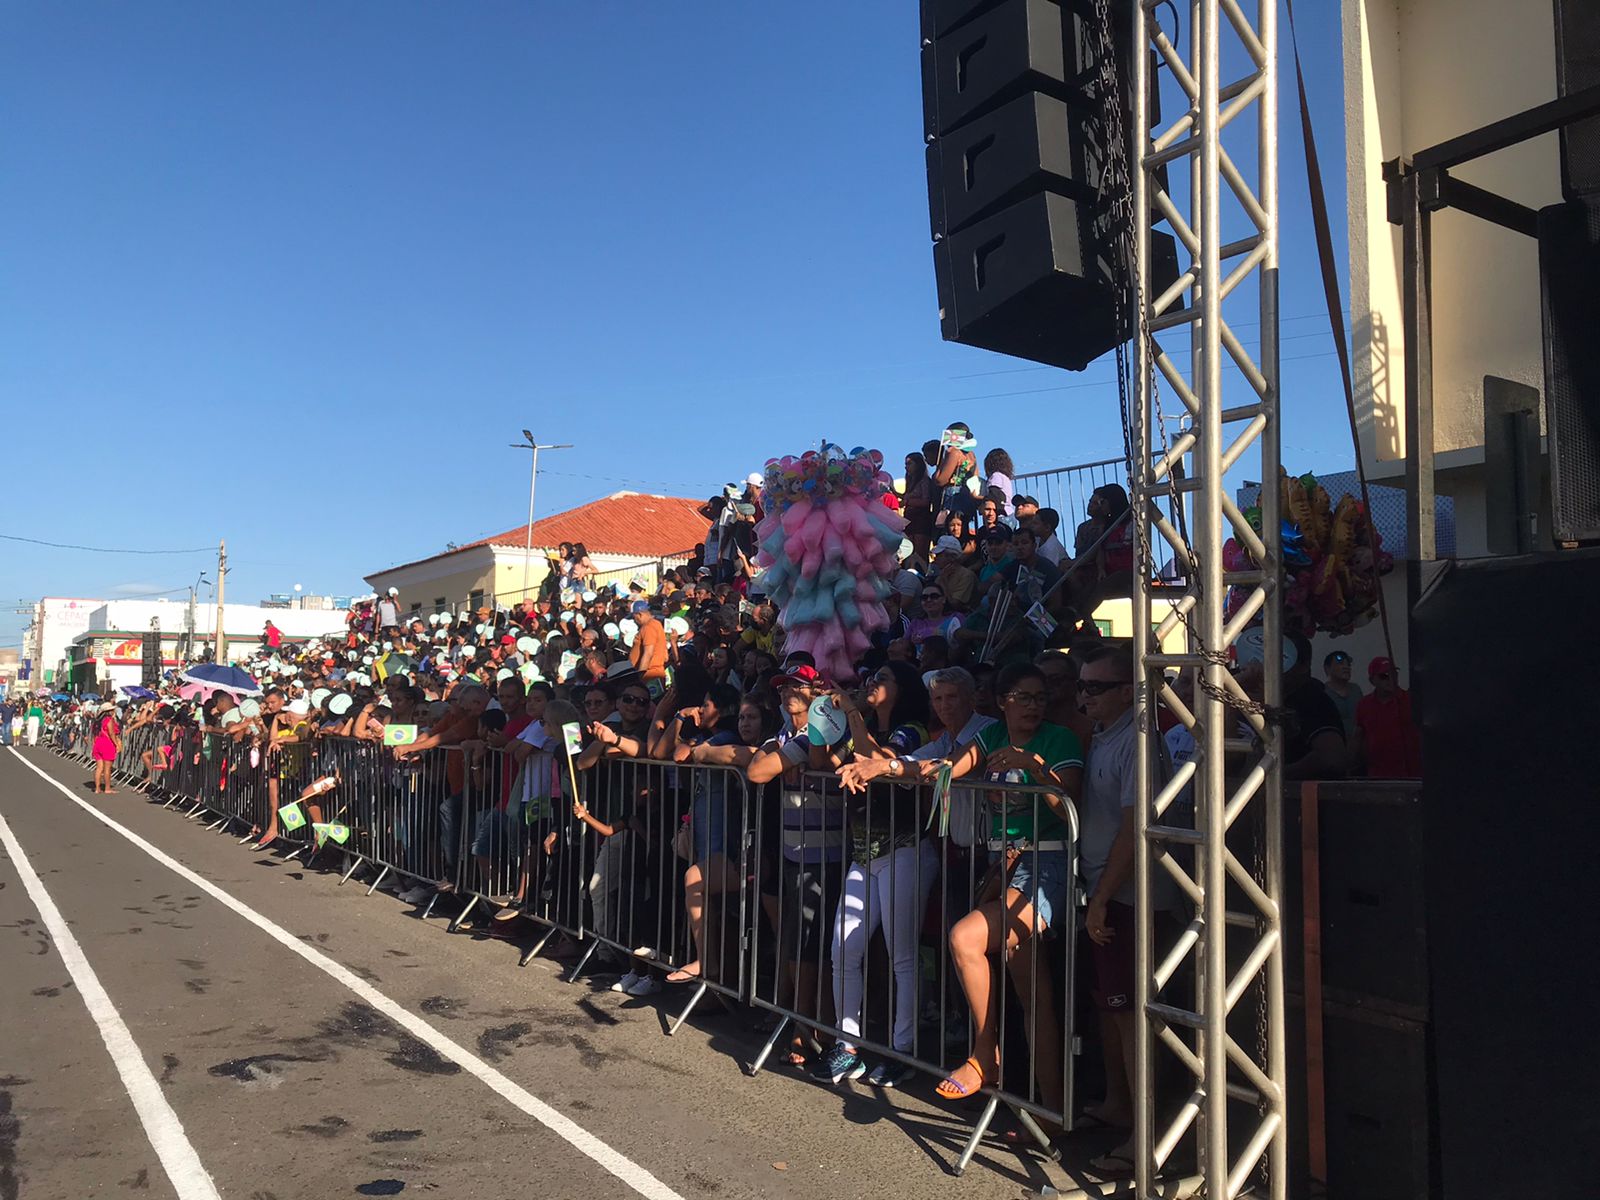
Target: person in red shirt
{"points": [[1389, 739]]}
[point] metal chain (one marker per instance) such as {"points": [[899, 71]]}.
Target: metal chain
{"points": [[1116, 182]]}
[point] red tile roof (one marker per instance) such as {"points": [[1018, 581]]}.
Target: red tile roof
{"points": [[623, 523]]}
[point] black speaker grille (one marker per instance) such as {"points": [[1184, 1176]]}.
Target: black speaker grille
{"points": [[1578, 67], [1569, 271]]}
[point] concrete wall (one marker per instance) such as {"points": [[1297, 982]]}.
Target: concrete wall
{"points": [[1416, 73]]}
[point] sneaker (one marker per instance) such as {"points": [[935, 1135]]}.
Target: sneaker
{"points": [[890, 1074], [839, 1064], [417, 895], [647, 985], [627, 982]]}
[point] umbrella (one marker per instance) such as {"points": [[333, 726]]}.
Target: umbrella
{"points": [[90, 696], [137, 692], [395, 663], [59, 696], [218, 677]]}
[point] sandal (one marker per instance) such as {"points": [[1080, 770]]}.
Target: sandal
{"points": [[1113, 1162], [949, 1089], [800, 1052], [683, 975]]}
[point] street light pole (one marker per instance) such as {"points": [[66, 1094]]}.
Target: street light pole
{"points": [[533, 483]]}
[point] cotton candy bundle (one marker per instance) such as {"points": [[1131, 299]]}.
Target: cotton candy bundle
{"points": [[827, 552]]}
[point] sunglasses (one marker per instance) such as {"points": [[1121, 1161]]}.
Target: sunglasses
{"points": [[1099, 687], [1037, 699], [635, 699]]}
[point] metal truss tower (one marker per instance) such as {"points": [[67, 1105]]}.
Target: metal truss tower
{"points": [[1228, 862]]}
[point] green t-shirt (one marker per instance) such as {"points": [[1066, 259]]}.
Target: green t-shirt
{"points": [[1013, 810]]}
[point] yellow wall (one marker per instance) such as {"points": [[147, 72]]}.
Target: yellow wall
{"points": [[454, 586], [1118, 615]]}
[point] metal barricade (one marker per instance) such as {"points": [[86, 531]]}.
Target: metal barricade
{"points": [[841, 870], [556, 851], [666, 878], [490, 837], [396, 803]]}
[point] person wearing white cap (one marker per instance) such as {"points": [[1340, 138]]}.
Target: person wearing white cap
{"points": [[956, 581], [389, 610]]}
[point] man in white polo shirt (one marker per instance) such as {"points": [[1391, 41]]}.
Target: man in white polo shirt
{"points": [[1105, 850]]}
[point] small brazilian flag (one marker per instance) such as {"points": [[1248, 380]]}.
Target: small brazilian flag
{"points": [[291, 816], [331, 831]]}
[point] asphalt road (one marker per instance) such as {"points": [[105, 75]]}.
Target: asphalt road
{"points": [[274, 1036]]}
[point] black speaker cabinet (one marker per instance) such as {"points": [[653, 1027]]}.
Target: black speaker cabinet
{"points": [[1577, 68], [1504, 663], [1569, 282]]}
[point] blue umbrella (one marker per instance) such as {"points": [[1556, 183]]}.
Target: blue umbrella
{"points": [[137, 692], [61, 696], [221, 677]]}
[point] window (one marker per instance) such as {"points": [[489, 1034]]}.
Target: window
{"points": [[440, 604], [476, 599]]}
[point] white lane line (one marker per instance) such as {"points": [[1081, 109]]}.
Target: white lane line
{"points": [[161, 1124], [575, 1135]]}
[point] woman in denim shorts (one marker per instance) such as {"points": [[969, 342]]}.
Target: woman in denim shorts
{"points": [[1029, 888]]}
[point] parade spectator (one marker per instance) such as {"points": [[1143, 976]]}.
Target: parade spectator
{"points": [[936, 620], [958, 583], [917, 505], [998, 477], [1314, 743], [1027, 887], [1106, 840], [1389, 740], [1343, 691], [958, 463], [649, 653], [107, 745], [1045, 524], [812, 849]]}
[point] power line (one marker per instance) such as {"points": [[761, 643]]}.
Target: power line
{"points": [[11, 537]]}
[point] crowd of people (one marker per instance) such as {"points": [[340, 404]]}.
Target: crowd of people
{"points": [[691, 670]]}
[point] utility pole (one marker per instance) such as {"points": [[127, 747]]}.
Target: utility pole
{"points": [[222, 579], [187, 656], [533, 482]]}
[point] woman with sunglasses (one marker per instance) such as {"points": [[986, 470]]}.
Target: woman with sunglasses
{"points": [[891, 872], [936, 619], [1028, 889]]}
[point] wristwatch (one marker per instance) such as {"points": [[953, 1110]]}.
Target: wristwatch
{"points": [[897, 766]]}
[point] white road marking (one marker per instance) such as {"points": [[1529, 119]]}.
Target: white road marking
{"points": [[161, 1125], [579, 1138]]}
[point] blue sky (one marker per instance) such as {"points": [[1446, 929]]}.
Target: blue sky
{"points": [[293, 274]]}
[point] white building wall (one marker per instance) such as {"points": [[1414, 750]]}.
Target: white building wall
{"points": [[1416, 73]]}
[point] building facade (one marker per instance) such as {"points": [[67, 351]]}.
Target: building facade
{"points": [[1416, 73], [627, 534]]}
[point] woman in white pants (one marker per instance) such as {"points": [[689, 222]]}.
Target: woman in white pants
{"points": [[892, 871]]}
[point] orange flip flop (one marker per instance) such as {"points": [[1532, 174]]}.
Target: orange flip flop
{"points": [[949, 1089]]}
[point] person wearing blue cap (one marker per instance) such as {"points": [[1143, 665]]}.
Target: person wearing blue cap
{"points": [[649, 653]]}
